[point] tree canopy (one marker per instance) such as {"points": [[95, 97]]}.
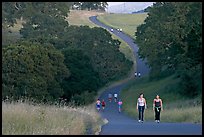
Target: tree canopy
{"points": [[33, 71], [171, 41], [58, 60]]}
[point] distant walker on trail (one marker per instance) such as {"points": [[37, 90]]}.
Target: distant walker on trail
{"points": [[98, 105], [120, 105], [115, 97], [103, 104], [157, 107], [135, 74], [110, 97], [139, 74]]}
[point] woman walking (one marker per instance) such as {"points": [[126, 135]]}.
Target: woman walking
{"points": [[103, 104], [120, 105], [98, 104], [109, 97], [141, 105], [157, 107]]}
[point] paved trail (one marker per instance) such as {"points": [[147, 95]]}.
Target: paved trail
{"points": [[121, 124]]}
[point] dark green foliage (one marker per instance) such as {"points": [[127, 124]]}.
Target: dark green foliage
{"points": [[33, 11], [44, 20], [93, 59], [83, 77], [84, 98], [32, 70], [171, 40], [91, 55], [103, 51]]}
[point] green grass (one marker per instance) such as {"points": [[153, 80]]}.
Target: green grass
{"points": [[27, 119], [176, 107], [125, 48], [128, 22]]}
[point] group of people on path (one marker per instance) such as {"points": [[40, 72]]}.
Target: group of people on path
{"points": [[103, 103], [141, 106]]}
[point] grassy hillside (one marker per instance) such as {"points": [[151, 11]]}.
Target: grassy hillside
{"points": [[128, 22], [27, 119], [81, 17], [177, 108]]}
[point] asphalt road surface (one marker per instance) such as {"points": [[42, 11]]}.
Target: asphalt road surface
{"points": [[121, 124]]}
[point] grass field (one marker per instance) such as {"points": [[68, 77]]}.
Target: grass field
{"points": [[128, 22], [27, 119], [81, 17], [176, 107]]}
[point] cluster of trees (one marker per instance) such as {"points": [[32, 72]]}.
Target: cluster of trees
{"points": [[53, 59], [90, 5], [171, 41]]}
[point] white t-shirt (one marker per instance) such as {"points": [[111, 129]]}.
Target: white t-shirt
{"points": [[98, 102], [141, 102], [115, 95]]}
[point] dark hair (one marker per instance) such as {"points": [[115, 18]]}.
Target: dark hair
{"points": [[141, 94]]}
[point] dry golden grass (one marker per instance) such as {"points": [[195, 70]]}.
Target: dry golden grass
{"points": [[27, 119], [81, 17]]}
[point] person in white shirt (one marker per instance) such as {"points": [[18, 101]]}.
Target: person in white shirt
{"points": [[141, 105], [135, 74], [98, 104], [115, 97], [139, 74]]}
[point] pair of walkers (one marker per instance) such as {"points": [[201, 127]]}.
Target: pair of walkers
{"points": [[142, 105], [110, 97], [99, 103]]}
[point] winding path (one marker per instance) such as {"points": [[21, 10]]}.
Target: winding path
{"points": [[121, 124]]}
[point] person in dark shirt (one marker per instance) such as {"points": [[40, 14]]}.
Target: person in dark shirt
{"points": [[157, 107]]}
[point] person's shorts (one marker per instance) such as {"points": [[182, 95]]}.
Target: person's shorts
{"points": [[115, 97], [103, 105], [110, 98], [98, 106]]}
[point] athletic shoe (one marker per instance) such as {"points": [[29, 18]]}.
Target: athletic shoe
{"points": [[142, 121], [139, 121], [157, 121]]}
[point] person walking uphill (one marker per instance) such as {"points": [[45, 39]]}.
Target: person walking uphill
{"points": [[157, 107], [98, 104], [109, 97], [103, 104], [120, 105], [141, 105]]}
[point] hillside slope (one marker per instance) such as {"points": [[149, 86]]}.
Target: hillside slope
{"points": [[128, 22]]}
